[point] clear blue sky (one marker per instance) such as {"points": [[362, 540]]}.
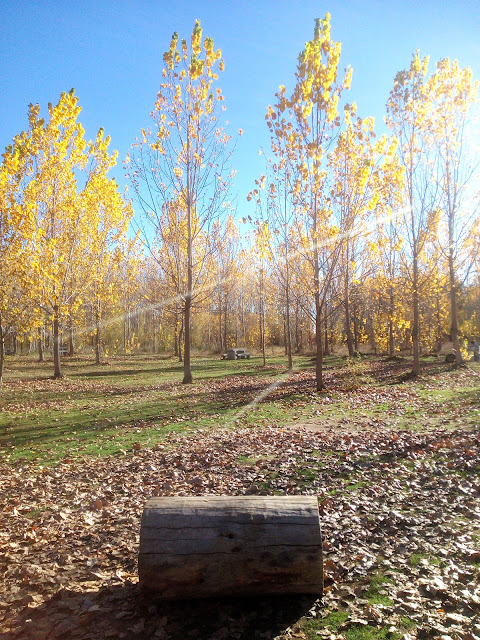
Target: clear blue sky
{"points": [[110, 51]]}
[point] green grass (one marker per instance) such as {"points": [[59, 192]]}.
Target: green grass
{"points": [[107, 409], [338, 621], [374, 593]]}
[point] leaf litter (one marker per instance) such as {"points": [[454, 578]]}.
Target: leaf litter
{"points": [[400, 513], [401, 505]]}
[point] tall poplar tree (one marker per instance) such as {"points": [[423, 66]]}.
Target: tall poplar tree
{"points": [[313, 107], [454, 94], [409, 117], [183, 158]]}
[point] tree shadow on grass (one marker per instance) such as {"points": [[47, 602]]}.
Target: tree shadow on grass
{"points": [[120, 611]]}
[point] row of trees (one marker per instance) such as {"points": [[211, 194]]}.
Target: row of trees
{"points": [[332, 190], [63, 226], [354, 237]]}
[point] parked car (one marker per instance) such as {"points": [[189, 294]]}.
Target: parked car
{"points": [[238, 353]]}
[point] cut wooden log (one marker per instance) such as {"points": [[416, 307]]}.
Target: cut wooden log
{"points": [[199, 547]]}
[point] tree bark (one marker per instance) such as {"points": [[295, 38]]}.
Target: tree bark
{"points": [[175, 336], [197, 547], [187, 368], [223, 347], [2, 352], [325, 332], [56, 345], [288, 329], [262, 319], [318, 311], [348, 322], [416, 321], [225, 322], [180, 340], [391, 331], [97, 337], [453, 301], [71, 345], [40, 345]]}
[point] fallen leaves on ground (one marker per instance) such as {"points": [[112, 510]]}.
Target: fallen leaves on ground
{"points": [[402, 505]]}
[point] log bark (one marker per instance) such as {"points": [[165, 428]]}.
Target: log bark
{"points": [[199, 547]]}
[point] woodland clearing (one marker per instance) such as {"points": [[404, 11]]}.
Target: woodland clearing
{"points": [[395, 466]]}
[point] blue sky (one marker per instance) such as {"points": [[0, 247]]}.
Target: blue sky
{"points": [[111, 53]]}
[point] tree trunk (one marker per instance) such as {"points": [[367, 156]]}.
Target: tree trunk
{"points": [[391, 331], [230, 546], [454, 305], [2, 352], [175, 337], [97, 337], [416, 321], [288, 322], [262, 319], [71, 345], [225, 323], [348, 322], [319, 346], [180, 340], [223, 347], [56, 345], [40, 345], [297, 331], [318, 312], [187, 368], [325, 332]]}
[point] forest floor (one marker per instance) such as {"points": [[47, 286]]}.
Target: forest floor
{"points": [[395, 465]]}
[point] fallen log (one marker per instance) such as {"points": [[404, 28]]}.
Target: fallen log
{"points": [[199, 547]]}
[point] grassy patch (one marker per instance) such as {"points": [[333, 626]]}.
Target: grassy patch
{"points": [[422, 558], [108, 409], [375, 593]]}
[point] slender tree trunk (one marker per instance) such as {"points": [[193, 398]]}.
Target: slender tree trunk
{"points": [[297, 328], [56, 345], [225, 322], [416, 320], [288, 322], [319, 344], [175, 336], [326, 348], [373, 339], [438, 346], [391, 331], [244, 329], [40, 345], [262, 319], [154, 333], [318, 310], [71, 345], [454, 305], [2, 352], [348, 322], [180, 341], [187, 368], [223, 347], [97, 336]]}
